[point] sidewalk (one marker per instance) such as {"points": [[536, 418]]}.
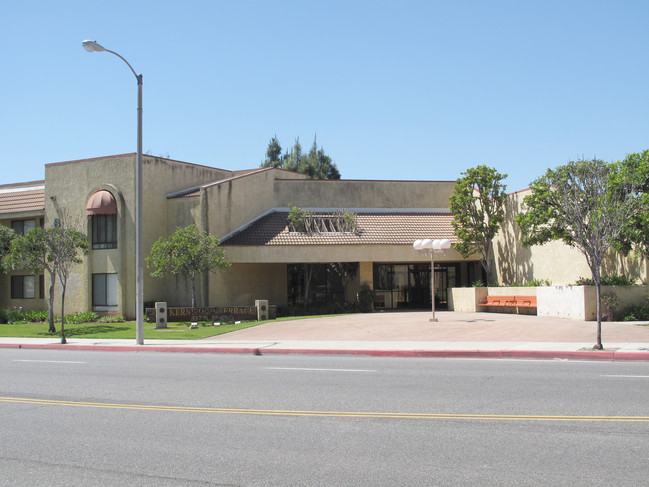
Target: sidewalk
{"points": [[401, 334]]}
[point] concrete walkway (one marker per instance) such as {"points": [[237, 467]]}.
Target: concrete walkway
{"points": [[405, 334]]}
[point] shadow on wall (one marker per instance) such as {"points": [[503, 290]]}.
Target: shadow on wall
{"points": [[616, 264], [514, 260]]}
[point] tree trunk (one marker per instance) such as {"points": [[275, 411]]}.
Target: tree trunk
{"points": [[598, 345], [63, 340], [193, 292], [308, 271], [486, 264], [50, 307]]}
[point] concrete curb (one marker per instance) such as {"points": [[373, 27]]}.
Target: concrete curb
{"points": [[594, 355]]}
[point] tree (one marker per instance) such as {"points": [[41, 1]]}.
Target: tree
{"points": [[346, 271], [273, 154], [585, 204], [316, 164], [65, 245], [6, 236], [635, 235], [54, 250], [478, 207], [188, 252]]}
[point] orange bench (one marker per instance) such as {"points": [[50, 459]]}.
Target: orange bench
{"points": [[510, 301]]}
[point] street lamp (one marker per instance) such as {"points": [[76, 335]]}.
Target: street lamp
{"points": [[92, 46], [434, 246]]}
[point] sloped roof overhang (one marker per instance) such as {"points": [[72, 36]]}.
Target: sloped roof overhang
{"points": [[374, 227]]}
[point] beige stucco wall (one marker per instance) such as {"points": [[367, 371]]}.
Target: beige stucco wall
{"points": [[555, 261], [70, 184], [246, 283], [236, 201], [363, 194]]}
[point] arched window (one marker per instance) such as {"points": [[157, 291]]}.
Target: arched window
{"points": [[102, 209]]}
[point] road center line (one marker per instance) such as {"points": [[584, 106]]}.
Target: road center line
{"points": [[318, 370], [628, 376], [50, 361], [331, 414]]}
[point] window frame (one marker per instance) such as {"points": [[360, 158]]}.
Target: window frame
{"points": [[19, 286], [103, 231], [18, 226], [106, 302]]}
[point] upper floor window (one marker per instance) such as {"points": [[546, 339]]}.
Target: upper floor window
{"points": [[104, 231], [102, 208]]}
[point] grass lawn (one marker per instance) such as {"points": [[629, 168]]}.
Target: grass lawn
{"points": [[175, 331]]}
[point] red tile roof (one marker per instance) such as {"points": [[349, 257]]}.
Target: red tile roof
{"points": [[14, 199], [373, 228]]}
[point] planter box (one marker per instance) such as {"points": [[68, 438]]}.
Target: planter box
{"points": [[580, 302], [572, 302], [465, 299]]}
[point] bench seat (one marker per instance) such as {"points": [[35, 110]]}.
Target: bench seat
{"points": [[510, 301]]}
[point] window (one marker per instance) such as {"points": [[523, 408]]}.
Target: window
{"points": [[104, 231], [23, 287], [104, 291], [21, 227]]}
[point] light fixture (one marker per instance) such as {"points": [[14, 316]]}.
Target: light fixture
{"points": [[93, 46], [433, 246]]}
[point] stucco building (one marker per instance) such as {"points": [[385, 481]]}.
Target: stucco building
{"points": [[248, 211]]}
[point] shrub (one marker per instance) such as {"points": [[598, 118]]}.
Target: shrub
{"points": [[637, 312], [614, 280], [532, 283], [111, 319], [19, 315], [610, 306], [365, 298], [83, 317]]}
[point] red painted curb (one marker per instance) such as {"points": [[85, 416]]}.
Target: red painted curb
{"points": [[605, 355]]}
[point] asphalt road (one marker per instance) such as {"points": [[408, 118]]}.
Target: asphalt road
{"points": [[165, 419]]}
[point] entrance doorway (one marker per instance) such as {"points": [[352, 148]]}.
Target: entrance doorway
{"points": [[404, 286]]}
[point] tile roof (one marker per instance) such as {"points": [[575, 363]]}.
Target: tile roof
{"points": [[20, 199], [373, 228]]}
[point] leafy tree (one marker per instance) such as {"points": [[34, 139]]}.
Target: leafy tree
{"points": [[635, 167], [55, 250], [6, 236], [65, 246], [189, 252], [478, 207], [273, 154], [316, 164], [585, 204], [346, 271]]}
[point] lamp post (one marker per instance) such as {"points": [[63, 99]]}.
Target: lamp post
{"points": [[432, 246], [92, 46]]}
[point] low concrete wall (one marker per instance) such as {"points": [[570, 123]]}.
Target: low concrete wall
{"points": [[465, 299], [562, 302], [572, 302], [580, 302]]}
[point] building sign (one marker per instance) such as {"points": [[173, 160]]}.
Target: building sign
{"points": [[220, 314]]}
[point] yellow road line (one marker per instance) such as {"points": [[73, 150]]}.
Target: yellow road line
{"points": [[330, 414]]}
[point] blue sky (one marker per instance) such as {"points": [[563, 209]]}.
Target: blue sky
{"points": [[419, 90]]}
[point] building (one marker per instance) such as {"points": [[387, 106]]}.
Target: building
{"points": [[248, 211]]}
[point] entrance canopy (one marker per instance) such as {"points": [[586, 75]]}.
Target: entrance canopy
{"points": [[101, 203]]}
